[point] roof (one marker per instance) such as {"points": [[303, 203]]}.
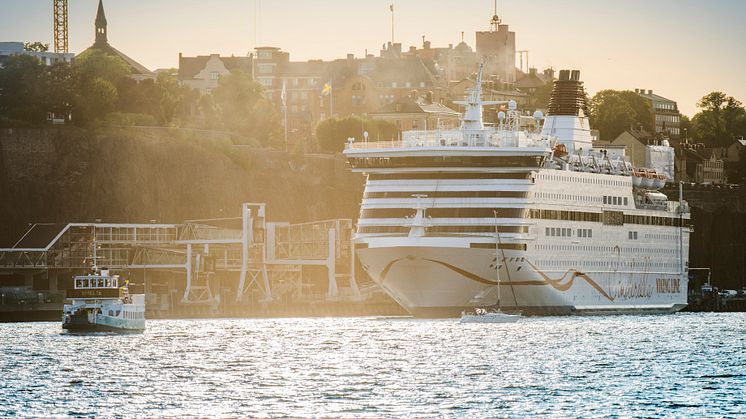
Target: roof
{"points": [[406, 69], [419, 105], [638, 134], [135, 67], [39, 236], [189, 67], [529, 80], [654, 97], [100, 14]]}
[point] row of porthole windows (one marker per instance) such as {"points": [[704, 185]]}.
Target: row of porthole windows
{"points": [[568, 197], [662, 236], [579, 179], [608, 264], [609, 249]]}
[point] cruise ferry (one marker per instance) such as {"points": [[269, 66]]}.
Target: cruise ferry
{"points": [[569, 228], [100, 302]]}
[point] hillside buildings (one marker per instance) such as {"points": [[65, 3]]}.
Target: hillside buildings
{"points": [[666, 116], [8, 49]]}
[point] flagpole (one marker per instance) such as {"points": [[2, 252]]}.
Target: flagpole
{"points": [[331, 100], [285, 112], [392, 22]]}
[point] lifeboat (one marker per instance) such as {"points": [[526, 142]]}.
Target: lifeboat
{"points": [[648, 179]]}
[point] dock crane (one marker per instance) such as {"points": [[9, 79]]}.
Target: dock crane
{"points": [[60, 25]]}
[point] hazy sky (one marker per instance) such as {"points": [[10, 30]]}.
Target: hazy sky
{"points": [[682, 49]]}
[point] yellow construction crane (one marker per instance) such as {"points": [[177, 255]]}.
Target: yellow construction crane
{"points": [[60, 25]]}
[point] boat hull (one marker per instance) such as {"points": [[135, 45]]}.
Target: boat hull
{"points": [[440, 282], [82, 322]]}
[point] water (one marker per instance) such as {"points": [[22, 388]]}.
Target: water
{"points": [[675, 365]]}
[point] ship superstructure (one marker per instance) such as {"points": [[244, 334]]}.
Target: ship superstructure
{"points": [[570, 228]]}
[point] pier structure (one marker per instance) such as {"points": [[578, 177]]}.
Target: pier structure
{"points": [[236, 262]]}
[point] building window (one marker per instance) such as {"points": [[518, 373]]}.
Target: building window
{"points": [[266, 82], [214, 75], [265, 68], [264, 54]]}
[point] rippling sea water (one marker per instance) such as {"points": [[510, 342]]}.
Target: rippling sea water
{"points": [[673, 365]]}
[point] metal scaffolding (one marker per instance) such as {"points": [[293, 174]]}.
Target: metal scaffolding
{"points": [[261, 255]]}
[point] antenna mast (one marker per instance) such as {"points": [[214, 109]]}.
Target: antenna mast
{"points": [[60, 25], [495, 21]]}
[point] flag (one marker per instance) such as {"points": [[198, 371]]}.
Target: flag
{"points": [[283, 95], [327, 88]]}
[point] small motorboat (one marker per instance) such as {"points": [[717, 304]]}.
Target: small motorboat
{"points": [[481, 315]]}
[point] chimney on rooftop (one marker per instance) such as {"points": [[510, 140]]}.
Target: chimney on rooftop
{"points": [[650, 92], [350, 57]]}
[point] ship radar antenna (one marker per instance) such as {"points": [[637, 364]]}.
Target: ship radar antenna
{"points": [[495, 21]]}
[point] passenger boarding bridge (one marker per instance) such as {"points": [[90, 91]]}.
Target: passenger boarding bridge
{"points": [[259, 258]]}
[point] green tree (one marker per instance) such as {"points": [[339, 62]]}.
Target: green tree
{"points": [[62, 89], [239, 104], [332, 133], [720, 119], [36, 47], [94, 64], [613, 112], [98, 75], [542, 95], [22, 90]]}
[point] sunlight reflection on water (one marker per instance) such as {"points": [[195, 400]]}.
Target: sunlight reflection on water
{"points": [[675, 365]]}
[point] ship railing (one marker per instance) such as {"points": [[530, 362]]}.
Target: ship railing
{"points": [[430, 139]]}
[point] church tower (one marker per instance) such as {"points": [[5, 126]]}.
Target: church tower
{"points": [[101, 38]]}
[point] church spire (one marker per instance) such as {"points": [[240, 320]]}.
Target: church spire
{"points": [[101, 38]]}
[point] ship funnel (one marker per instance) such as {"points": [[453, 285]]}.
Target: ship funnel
{"points": [[567, 114], [568, 95]]}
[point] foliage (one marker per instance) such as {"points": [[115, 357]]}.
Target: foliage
{"points": [[22, 97], [614, 111], [542, 95], [721, 118], [97, 87], [332, 133], [35, 47], [238, 104]]}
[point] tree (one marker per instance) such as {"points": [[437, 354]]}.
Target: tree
{"points": [[332, 133], [613, 112], [720, 119], [22, 89], [35, 47], [94, 64], [543, 94], [240, 106]]}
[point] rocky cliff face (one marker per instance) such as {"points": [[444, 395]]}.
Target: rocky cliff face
{"points": [[138, 175]]}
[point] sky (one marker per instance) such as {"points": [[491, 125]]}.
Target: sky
{"points": [[681, 49]]}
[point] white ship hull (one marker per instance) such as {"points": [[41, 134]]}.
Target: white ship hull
{"points": [[430, 281]]}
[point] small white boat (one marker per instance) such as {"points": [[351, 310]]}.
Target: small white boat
{"points": [[100, 303], [481, 315]]}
